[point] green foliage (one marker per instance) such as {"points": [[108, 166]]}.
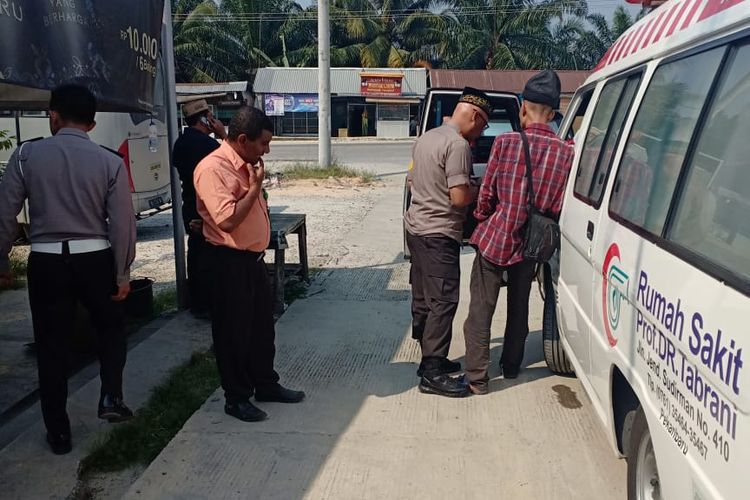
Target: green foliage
{"points": [[312, 171], [7, 141], [229, 39], [140, 440]]}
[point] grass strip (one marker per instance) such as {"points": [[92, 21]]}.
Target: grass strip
{"points": [[312, 171], [171, 404]]}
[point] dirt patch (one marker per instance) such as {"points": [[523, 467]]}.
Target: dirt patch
{"points": [[105, 486]]}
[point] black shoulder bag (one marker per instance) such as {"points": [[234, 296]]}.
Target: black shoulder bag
{"points": [[541, 233]]}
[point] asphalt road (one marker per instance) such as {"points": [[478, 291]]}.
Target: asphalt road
{"points": [[383, 158]]}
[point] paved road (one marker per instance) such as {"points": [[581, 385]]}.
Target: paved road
{"points": [[386, 157]]}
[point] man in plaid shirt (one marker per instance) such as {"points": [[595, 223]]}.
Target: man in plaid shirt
{"points": [[502, 212]]}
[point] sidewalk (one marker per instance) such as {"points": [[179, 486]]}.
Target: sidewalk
{"points": [[365, 431], [29, 470]]}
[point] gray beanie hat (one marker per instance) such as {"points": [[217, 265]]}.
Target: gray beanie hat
{"points": [[543, 88]]}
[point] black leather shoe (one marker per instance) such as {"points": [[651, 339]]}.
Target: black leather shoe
{"points": [[113, 409], [245, 411], [508, 372], [444, 385], [280, 395], [446, 366], [59, 443]]}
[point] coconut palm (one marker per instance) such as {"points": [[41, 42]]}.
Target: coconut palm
{"points": [[507, 34]]}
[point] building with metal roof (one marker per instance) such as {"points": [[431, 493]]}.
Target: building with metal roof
{"points": [[381, 102]]}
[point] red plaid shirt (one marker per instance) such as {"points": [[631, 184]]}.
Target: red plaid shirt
{"points": [[501, 207]]}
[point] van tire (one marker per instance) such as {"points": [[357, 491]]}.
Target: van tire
{"points": [[643, 476], [554, 353]]}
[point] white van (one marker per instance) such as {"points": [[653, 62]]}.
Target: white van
{"points": [[654, 277]]}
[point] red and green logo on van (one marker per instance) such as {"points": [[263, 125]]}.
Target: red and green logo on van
{"points": [[614, 291]]}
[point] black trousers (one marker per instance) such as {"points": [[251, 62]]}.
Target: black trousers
{"points": [[435, 278], [242, 323], [199, 272], [486, 280], [56, 282]]}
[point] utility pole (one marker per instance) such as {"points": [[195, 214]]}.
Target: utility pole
{"points": [[324, 85], [170, 98]]}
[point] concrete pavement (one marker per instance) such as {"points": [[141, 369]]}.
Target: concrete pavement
{"points": [[28, 470], [365, 431]]}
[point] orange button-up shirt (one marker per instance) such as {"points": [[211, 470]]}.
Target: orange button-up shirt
{"points": [[221, 179]]}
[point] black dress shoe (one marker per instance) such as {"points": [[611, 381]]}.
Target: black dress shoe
{"points": [[508, 372], [444, 385], [245, 411], [59, 443], [113, 409], [446, 366], [280, 395]]}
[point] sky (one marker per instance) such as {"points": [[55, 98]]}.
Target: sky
{"points": [[604, 7]]}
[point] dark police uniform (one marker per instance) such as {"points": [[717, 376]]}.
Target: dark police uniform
{"points": [[82, 246]]}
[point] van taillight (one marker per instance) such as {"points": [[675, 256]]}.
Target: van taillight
{"points": [[124, 150]]}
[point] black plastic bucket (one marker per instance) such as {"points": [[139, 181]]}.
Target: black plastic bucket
{"points": [[140, 300]]}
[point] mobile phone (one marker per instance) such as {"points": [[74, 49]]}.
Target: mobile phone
{"points": [[204, 121]]}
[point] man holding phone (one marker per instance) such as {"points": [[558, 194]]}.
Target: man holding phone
{"points": [[236, 224], [191, 147]]}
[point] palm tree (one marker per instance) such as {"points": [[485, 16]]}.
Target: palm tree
{"points": [[592, 44], [373, 33]]}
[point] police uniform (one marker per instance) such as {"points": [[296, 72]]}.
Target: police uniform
{"points": [[82, 246]]}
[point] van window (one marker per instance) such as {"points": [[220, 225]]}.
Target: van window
{"points": [[602, 138], [656, 148], [711, 217]]}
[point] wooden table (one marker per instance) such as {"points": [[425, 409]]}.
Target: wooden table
{"points": [[283, 225]]}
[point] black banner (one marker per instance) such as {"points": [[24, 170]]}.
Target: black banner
{"points": [[113, 47]]}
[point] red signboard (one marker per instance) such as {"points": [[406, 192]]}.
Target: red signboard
{"points": [[381, 85]]}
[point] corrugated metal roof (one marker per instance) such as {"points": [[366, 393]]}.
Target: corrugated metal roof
{"points": [[500, 80], [211, 88], [344, 81]]}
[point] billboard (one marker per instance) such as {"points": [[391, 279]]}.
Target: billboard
{"points": [[381, 84], [279, 104], [108, 46]]}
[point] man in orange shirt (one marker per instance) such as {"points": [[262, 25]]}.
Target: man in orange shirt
{"points": [[236, 225]]}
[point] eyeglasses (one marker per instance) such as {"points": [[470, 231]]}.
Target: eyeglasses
{"points": [[486, 123]]}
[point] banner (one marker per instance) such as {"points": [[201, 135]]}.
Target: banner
{"points": [[301, 103], [274, 105], [110, 46], [380, 85]]}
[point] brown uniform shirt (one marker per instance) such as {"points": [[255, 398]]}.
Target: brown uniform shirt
{"points": [[441, 159]]}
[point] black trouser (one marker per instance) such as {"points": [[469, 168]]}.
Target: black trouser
{"points": [[55, 283], [486, 281], [242, 323], [435, 280], [199, 272]]}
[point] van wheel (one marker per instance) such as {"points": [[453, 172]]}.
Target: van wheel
{"points": [[554, 354], [643, 475]]}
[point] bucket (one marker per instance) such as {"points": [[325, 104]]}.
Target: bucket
{"points": [[140, 301]]}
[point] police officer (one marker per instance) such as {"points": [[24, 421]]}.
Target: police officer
{"points": [[191, 147], [82, 246], [441, 190]]}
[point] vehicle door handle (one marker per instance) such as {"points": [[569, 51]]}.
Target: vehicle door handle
{"points": [[590, 231]]}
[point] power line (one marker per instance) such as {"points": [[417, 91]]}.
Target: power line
{"points": [[345, 17]]}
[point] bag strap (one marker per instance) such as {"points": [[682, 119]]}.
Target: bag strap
{"points": [[529, 177]]}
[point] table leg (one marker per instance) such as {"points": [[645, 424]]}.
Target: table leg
{"points": [[278, 278], [303, 253]]}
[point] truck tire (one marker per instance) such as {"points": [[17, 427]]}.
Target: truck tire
{"points": [[643, 475], [554, 354]]}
